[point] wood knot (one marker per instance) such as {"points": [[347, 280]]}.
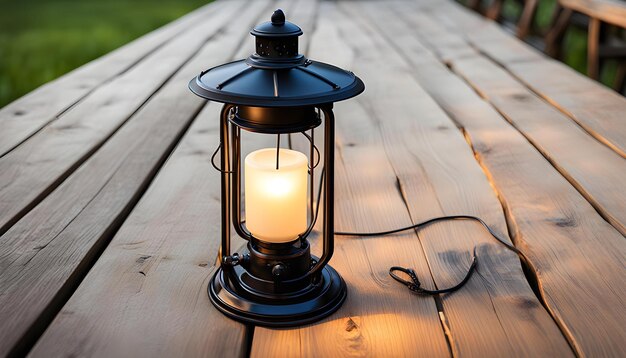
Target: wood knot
{"points": [[527, 303], [563, 222], [143, 259], [66, 127], [351, 325], [522, 97]]}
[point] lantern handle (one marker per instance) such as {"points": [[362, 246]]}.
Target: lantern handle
{"points": [[240, 229], [225, 182]]}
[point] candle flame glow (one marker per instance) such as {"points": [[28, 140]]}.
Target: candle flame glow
{"points": [[276, 199]]}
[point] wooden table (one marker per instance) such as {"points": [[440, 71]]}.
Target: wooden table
{"points": [[109, 207]]}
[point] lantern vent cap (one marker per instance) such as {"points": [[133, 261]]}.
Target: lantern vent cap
{"points": [[277, 27]]}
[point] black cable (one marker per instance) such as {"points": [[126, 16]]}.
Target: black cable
{"points": [[433, 220], [415, 284]]}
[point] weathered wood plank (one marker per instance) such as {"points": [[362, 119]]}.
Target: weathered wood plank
{"points": [[35, 168], [577, 257], [482, 33], [146, 295], [365, 156], [47, 253], [376, 319], [439, 176], [25, 116], [596, 171], [596, 108]]}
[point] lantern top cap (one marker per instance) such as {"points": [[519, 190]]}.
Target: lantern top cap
{"points": [[277, 27]]}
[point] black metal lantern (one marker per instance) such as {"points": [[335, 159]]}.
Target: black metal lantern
{"points": [[277, 282]]}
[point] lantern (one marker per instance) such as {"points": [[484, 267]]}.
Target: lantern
{"points": [[276, 281]]}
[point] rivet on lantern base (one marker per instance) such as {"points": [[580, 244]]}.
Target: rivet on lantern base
{"points": [[230, 294]]}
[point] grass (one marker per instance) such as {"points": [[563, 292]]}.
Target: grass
{"points": [[41, 40]]}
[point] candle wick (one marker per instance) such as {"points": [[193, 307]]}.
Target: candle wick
{"points": [[277, 150]]}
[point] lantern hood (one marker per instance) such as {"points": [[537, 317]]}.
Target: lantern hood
{"points": [[276, 75]]}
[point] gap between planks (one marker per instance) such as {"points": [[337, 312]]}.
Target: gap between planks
{"points": [[159, 227], [595, 108], [120, 195], [28, 115], [595, 170], [331, 330], [587, 333], [32, 171]]}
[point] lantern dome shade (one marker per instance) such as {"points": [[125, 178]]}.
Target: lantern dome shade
{"points": [[276, 75], [305, 84]]}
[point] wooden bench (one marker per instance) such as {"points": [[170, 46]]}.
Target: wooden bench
{"points": [[109, 206], [524, 23], [612, 12]]}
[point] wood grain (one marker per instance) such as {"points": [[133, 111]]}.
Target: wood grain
{"points": [[577, 257], [399, 160], [485, 35], [596, 171], [595, 107], [378, 138], [439, 176], [150, 283], [47, 253], [26, 115], [35, 168], [376, 319]]}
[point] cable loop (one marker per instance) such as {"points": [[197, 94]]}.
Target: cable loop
{"points": [[213, 160], [413, 286], [308, 137]]}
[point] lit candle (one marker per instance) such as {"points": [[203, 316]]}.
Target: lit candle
{"points": [[276, 199]]}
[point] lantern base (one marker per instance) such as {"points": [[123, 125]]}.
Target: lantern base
{"points": [[233, 298]]}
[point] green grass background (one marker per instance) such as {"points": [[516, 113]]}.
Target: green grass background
{"points": [[41, 40]]}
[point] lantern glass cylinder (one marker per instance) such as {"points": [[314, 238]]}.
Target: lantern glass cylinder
{"points": [[276, 197]]}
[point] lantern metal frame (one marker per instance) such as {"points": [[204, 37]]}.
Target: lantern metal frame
{"points": [[276, 91]]}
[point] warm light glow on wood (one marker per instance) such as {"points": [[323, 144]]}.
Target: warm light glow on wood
{"points": [[276, 200]]}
